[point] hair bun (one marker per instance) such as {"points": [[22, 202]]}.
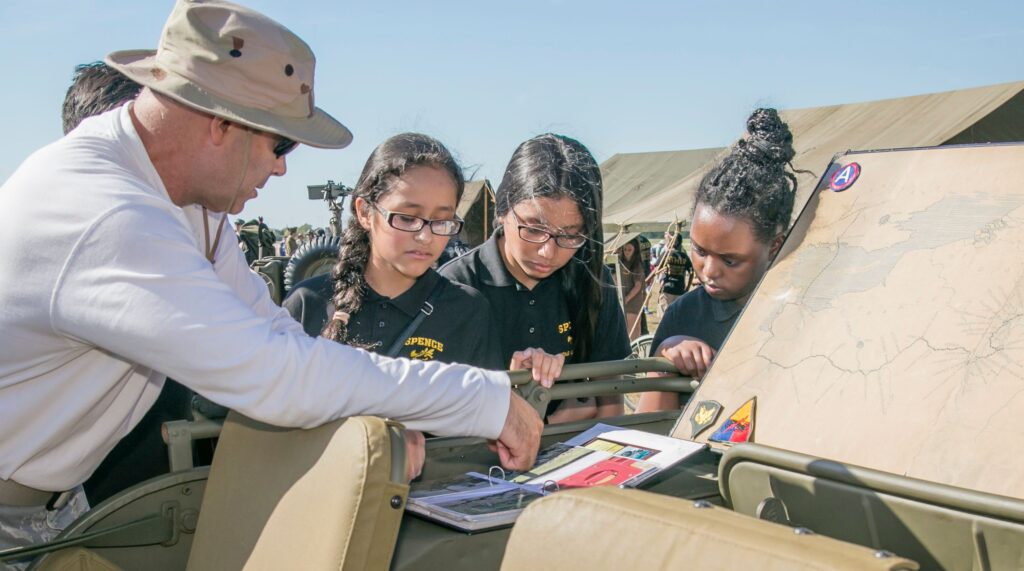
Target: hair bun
{"points": [[769, 140]]}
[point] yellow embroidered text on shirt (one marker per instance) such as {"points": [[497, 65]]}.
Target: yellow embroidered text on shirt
{"points": [[425, 342]]}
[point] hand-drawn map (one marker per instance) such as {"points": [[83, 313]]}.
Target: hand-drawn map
{"points": [[890, 331]]}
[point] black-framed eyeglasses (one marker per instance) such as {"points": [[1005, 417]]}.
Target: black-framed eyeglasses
{"points": [[284, 146], [536, 235], [410, 223]]}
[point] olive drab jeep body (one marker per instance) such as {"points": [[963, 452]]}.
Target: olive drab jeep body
{"points": [[881, 360]]}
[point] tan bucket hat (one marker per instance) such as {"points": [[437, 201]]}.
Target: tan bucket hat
{"points": [[238, 64]]}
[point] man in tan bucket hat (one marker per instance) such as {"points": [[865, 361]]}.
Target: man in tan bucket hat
{"points": [[116, 276]]}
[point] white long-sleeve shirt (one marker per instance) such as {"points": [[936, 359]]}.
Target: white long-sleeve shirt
{"points": [[105, 291]]}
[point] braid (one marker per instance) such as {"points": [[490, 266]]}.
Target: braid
{"points": [[348, 278], [752, 182]]}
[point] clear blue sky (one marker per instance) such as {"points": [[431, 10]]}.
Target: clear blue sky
{"points": [[484, 76]]}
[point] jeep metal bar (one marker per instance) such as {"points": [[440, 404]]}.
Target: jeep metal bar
{"points": [[539, 397]]}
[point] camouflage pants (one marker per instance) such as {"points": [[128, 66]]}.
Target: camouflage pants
{"points": [[21, 526]]}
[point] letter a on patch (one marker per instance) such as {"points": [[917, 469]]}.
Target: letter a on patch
{"points": [[739, 427], [845, 177]]}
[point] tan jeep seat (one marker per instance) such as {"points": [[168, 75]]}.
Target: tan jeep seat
{"points": [[940, 526], [610, 528], [76, 559], [326, 498]]}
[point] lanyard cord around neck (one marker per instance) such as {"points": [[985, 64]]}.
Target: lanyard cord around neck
{"points": [[211, 250]]}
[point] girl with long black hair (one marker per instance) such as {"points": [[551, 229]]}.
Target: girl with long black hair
{"points": [[542, 270]]}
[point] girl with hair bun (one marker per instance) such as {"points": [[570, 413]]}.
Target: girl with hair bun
{"points": [[383, 294], [542, 269], [740, 217]]}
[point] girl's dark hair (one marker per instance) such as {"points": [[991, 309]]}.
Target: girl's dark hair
{"points": [[556, 166], [386, 164], [752, 183], [636, 264]]}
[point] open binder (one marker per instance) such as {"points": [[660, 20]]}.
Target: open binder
{"points": [[602, 456]]}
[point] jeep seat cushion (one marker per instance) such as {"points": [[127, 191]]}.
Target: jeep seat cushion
{"points": [[76, 559], [611, 528], [313, 499]]}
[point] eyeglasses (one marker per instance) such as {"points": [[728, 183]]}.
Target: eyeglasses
{"points": [[284, 146], [537, 235], [410, 223]]}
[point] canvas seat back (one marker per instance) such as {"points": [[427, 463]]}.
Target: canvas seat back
{"points": [[607, 528], [76, 559], [939, 526], [326, 498]]}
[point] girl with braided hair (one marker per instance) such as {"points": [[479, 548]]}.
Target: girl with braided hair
{"points": [[740, 217], [403, 214]]}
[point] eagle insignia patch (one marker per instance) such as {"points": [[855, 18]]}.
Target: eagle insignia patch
{"points": [[706, 414]]}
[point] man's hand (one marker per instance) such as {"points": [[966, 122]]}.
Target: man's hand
{"points": [[520, 437], [415, 454], [691, 356], [544, 366]]}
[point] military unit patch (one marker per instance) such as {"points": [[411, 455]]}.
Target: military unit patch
{"points": [[844, 177], [739, 427], [706, 414]]}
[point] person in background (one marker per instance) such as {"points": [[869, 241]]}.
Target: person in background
{"points": [[656, 252], [677, 274], [645, 253], [740, 216], [645, 257], [543, 270], [291, 242], [95, 88], [631, 284], [455, 248]]}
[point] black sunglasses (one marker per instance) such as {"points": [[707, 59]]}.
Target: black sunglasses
{"points": [[284, 146]]}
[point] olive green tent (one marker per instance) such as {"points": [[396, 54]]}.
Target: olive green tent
{"points": [[477, 208], [632, 178], [985, 114]]}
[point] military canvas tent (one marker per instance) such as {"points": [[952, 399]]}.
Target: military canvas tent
{"points": [[477, 209], [632, 178], [985, 114]]}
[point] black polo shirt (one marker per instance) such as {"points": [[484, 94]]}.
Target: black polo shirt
{"points": [[460, 329], [677, 271], [537, 317], [699, 315]]}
